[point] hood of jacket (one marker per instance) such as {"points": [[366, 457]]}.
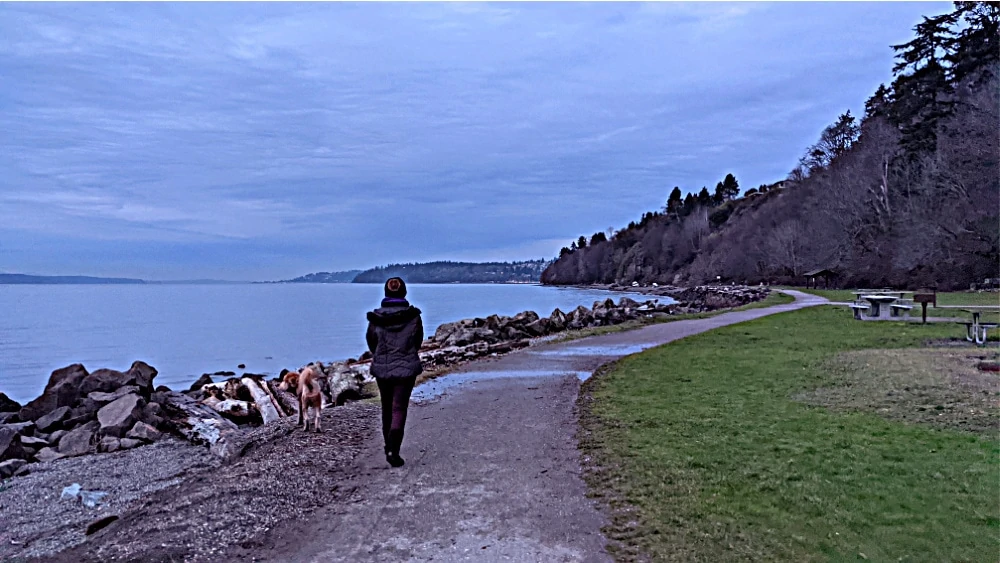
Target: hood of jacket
{"points": [[393, 317]]}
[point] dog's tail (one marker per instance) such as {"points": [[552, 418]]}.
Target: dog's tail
{"points": [[312, 390]]}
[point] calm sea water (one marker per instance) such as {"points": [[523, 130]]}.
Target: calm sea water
{"points": [[186, 330]]}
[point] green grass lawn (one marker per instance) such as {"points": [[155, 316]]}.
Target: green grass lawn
{"points": [[701, 453]]}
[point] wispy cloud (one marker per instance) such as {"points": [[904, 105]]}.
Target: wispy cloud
{"points": [[183, 138]]}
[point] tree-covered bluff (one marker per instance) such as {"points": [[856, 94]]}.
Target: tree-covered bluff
{"points": [[906, 195]]}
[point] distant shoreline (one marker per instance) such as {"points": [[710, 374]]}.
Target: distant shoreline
{"points": [[28, 279]]}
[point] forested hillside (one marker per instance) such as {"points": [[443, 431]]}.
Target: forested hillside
{"points": [[458, 272], [326, 277], [907, 195]]}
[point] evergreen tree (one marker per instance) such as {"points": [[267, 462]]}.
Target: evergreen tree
{"points": [[598, 237], [977, 44], [833, 142], [689, 203], [704, 198], [581, 242], [730, 187], [674, 202], [720, 194], [879, 103]]}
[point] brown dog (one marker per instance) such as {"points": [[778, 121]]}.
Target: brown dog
{"points": [[308, 391]]}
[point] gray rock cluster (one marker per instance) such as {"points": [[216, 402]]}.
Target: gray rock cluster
{"points": [[472, 338], [714, 297], [469, 339], [78, 413]]}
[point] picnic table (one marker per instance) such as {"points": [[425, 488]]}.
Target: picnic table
{"points": [[976, 330], [876, 310], [898, 294]]}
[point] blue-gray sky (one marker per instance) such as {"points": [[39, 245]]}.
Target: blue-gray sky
{"points": [[265, 141]]}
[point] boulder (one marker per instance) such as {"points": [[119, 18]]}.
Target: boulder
{"points": [[81, 416], [103, 380], [23, 428], [539, 327], [523, 318], [144, 432], [139, 375], [142, 375], [8, 405], [48, 454], [33, 442], [78, 441], [9, 467], [10, 444], [62, 390], [442, 333], [513, 333], [53, 420], [55, 436], [117, 417], [615, 316], [161, 397], [8, 417], [464, 336], [153, 415], [129, 443], [557, 321], [108, 444], [202, 381], [626, 302], [102, 398]]}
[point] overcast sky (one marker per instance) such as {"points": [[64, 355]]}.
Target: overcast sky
{"points": [[265, 141]]}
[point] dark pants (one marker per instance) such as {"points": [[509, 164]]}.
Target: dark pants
{"points": [[395, 394]]}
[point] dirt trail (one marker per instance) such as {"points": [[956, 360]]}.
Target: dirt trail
{"points": [[492, 471]]}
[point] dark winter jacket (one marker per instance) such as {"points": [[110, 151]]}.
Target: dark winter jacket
{"points": [[395, 333]]}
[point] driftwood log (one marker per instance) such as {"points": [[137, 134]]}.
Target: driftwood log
{"points": [[235, 409], [200, 424], [262, 399], [274, 400], [289, 403]]}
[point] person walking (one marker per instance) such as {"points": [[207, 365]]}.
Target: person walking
{"points": [[395, 333]]}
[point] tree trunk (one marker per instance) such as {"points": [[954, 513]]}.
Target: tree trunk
{"points": [[262, 399]]}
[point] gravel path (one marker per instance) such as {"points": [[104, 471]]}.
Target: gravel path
{"points": [[492, 471]]}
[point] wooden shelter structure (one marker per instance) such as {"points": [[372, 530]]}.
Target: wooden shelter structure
{"points": [[813, 277]]}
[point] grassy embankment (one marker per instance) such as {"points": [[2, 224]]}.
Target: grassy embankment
{"points": [[798, 437]]}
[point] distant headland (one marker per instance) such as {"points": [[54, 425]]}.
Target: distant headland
{"points": [[527, 271]]}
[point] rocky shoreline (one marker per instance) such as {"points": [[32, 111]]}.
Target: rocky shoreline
{"points": [[85, 424]]}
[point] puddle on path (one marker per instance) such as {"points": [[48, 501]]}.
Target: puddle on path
{"points": [[613, 350], [436, 387]]}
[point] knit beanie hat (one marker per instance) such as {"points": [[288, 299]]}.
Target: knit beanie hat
{"points": [[395, 287]]}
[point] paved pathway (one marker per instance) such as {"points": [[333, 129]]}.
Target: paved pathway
{"points": [[492, 470]]}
